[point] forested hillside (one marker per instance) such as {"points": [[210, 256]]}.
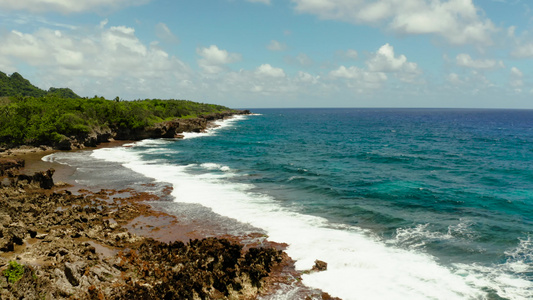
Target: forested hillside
{"points": [[16, 85], [34, 118]]}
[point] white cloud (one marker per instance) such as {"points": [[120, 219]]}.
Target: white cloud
{"points": [[268, 70], [350, 54], [103, 23], [511, 31], [465, 60], [302, 60], [276, 46], [516, 78], [473, 82], [454, 79], [516, 72], [66, 7], [378, 66], [260, 1], [360, 77], [457, 21], [386, 61], [106, 61], [214, 59], [523, 51], [165, 34], [307, 78]]}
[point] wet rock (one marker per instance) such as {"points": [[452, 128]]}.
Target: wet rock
{"points": [[320, 266], [3, 282], [5, 219], [7, 243], [41, 236], [71, 273], [107, 261], [18, 233], [10, 164], [64, 144], [44, 179], [32, 232]]}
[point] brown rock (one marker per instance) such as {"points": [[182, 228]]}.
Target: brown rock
{"points": [[320, 266], [7, 243], [71, 272], [44, 179], [8, 164]]}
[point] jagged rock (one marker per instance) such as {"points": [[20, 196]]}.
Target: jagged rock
{"points": [[3, 282], [64, 144], [320, 266], [71, 273], [44, 179], [91, 140], [5, 219], [7, 243], [111, 263], [9, 164], [18, 233], [41, 236]]}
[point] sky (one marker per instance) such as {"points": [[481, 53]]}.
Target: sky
{"points": [[277, 53]]}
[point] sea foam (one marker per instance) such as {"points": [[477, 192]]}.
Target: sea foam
{"points": [[360, 265]]}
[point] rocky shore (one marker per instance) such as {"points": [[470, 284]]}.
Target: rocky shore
{"points": [[55, 244], [58, 243], [168, 129]]}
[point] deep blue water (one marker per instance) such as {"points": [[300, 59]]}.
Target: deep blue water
{"points": [[451, 186]]}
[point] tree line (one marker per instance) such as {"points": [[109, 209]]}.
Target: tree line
{"points": [[30, 117]]}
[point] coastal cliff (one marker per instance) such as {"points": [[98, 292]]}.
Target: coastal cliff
{"points": [[168, 129]]}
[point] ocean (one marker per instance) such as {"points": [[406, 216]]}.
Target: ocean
{"points": [[401, 203]]}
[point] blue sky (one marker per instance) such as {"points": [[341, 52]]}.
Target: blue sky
{"points": [[274, 53]]}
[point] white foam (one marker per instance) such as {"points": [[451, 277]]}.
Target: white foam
{"points": [[359, 266], [212, 166], [52, 158], [417, 237], [218, 125]]}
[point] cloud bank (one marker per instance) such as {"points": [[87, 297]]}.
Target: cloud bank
{"points": [[67, 7], [457, 21]]}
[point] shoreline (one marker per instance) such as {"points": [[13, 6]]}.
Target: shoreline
{"points": [[150, 223]]}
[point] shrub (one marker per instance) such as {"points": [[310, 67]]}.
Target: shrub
{"points": [[14, 272]]}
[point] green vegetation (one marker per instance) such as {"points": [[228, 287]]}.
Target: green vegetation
{"points": [[49, 119], [14, 272], [36, 117], [16, 85]]}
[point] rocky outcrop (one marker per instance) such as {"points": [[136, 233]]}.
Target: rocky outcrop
{"points": [[69, 246], [10, 164], [167, 129], [43, 179], [320, 266]]}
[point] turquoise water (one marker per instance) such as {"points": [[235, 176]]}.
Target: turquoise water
{"points": [[410, 203], [391, 169]]}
